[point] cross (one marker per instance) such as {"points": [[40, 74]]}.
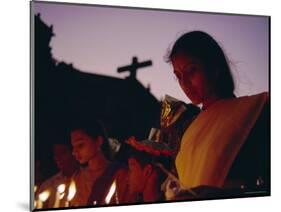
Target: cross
{"points": [[134, 66]]}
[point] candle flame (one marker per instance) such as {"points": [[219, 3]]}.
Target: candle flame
{"points": [[111, 192], [35, 188], [61, 188], [44, 196], [71, 190]]}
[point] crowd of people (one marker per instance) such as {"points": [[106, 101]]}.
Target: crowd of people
{"points": [[223, 151]]}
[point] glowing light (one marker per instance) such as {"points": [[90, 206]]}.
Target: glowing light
{"points": [[61, 188], [111, 192], [59, 195], [44, 196], [71, 190], [71, 193]]}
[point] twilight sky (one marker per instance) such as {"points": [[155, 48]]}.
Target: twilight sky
{"points": [[100, 39]]}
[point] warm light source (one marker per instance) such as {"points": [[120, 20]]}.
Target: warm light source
{"points": [[35, 188], [59, 195], [61, 188], [42, 198], [111, 192], [71, 192]]}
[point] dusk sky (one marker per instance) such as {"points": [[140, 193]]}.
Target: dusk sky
{"points": [[100, 39]]}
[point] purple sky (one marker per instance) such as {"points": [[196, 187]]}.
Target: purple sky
{"points": [[100, 39]]}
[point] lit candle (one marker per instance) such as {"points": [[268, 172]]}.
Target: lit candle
{"points": [[42, 198], [35, 202], [111, 192], [59, 195], [71, 193], [35, 188]]}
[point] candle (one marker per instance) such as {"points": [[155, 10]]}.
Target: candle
{"points": [[111, 192], [35, 202], [42, 198], [71, 193], [59, 195]]}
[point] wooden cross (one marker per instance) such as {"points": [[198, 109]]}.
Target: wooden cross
{"points": [[134, 66]]}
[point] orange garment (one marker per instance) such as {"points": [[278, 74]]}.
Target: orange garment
{"points": [[211, 143]]}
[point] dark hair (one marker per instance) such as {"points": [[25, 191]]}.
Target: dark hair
{"points": [[203, 47], [92, 128]]}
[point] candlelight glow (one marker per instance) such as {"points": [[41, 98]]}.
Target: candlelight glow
{"points": [[71, 190], [111, 192], [35, 188], [61, 188], [59, 195], [44, 196]]}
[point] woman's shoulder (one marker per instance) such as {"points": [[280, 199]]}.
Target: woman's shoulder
{"points": [[263, 97], [247, 102]]}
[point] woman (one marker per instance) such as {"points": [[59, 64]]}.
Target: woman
{"points": [[226, 146], [96, 174], [146, 162]]}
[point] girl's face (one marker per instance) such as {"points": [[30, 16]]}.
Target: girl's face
{"points": [[192, 78], [84, 146]]}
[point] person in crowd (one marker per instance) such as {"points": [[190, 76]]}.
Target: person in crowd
{"points": [[67, 165], [145, 174], [96, 174], [225, 150]]}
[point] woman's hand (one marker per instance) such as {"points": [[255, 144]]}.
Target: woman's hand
{"points": [[172, 189]]}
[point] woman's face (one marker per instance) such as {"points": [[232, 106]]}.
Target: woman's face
{"points": [[192, 78], [84, 146]]}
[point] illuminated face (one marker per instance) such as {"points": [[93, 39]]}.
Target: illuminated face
{"points": [[192, 78], [136, 176], [63, 157], [84, 146]]}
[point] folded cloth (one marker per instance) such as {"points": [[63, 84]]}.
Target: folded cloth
{"points": [[212, 141]]}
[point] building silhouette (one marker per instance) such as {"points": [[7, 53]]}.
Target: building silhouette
{"points": [[64, 94]]}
